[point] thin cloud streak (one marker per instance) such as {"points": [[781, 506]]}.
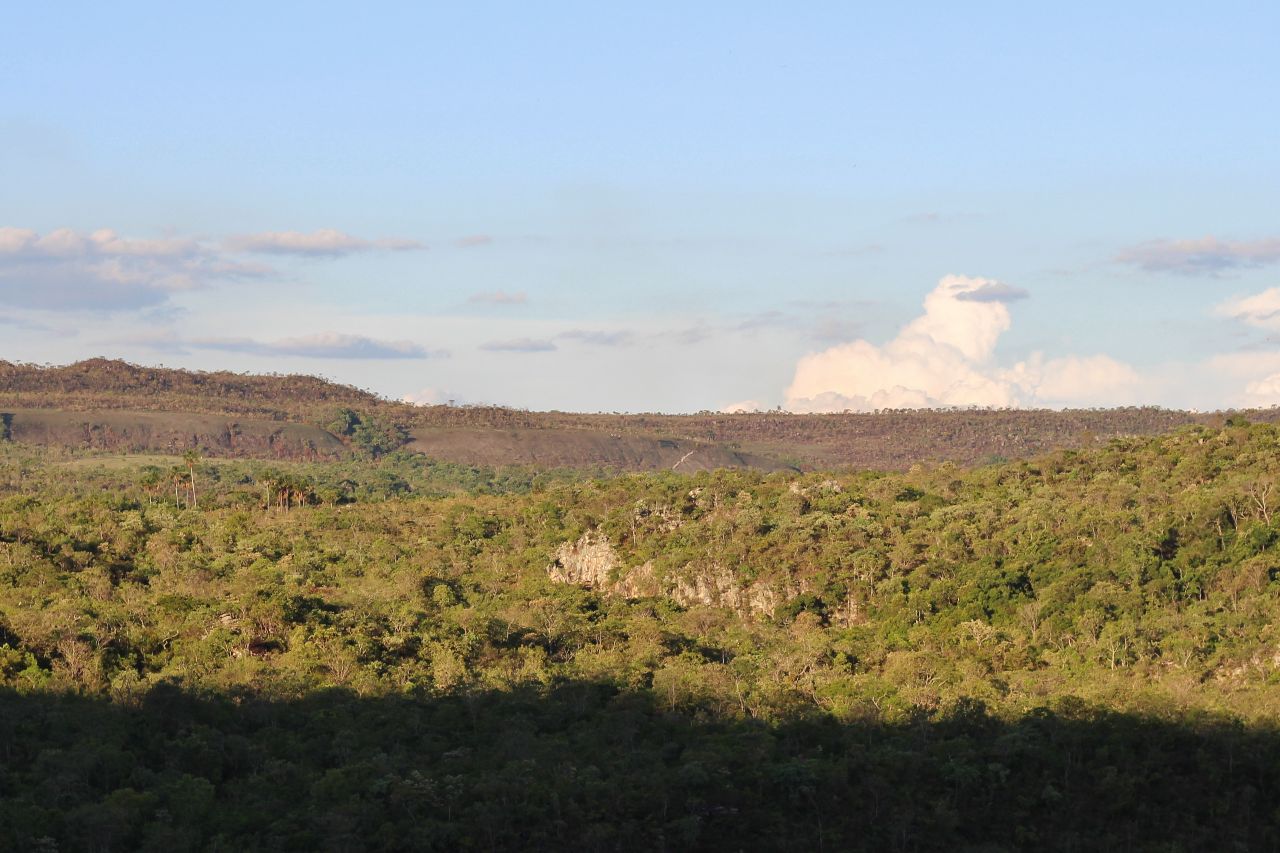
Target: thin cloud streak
{"points": [[994, 292], [519, 345], [333, 345], [323, 242], [1205, 256], [622, 337]]}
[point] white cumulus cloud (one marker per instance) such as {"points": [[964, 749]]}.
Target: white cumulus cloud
{"points": [[1093, 380], [1253, 373], [433, 397], [945, 358], [1264, 391], [743, 406]]}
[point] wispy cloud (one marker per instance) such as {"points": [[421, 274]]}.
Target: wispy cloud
{"points": [[103, 271], [499, 297], [519, 345], [819, 323], [473, 241], [66, 243], [323, 345], [68, 270], [1206, 256], [1260, 309], [323, 242]]}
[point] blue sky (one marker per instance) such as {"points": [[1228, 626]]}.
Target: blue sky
{"points": [[653, 206]]}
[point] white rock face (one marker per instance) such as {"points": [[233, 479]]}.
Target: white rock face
{"points": [[590, 562], [593, 562]]}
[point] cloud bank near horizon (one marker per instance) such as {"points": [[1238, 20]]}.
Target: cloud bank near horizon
{"points": [[945, 358]]}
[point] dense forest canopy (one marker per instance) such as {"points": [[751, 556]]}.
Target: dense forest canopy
{"points": [[1077, 651]]}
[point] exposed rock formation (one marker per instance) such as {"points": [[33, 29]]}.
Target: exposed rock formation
{"points": [[593, 562], [589, 562]]}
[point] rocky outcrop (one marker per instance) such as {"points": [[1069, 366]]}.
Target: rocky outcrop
{"points": [[589, 562], [593, 562]]}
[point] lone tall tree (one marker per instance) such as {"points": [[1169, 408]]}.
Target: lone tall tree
{"points": [[191, 458]]}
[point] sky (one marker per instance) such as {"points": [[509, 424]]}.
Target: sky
{"points": [[653, 206]]}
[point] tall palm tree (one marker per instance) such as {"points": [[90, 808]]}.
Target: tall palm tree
{"points": [[191, 458], [177, 475]]}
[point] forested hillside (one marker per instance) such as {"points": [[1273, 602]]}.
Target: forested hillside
{"points": [[1073, 652]]}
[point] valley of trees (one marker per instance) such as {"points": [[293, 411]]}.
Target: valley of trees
{"points": [[1077, 651]]}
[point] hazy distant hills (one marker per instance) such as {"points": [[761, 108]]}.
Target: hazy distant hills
{"points": [[113, 405]]}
